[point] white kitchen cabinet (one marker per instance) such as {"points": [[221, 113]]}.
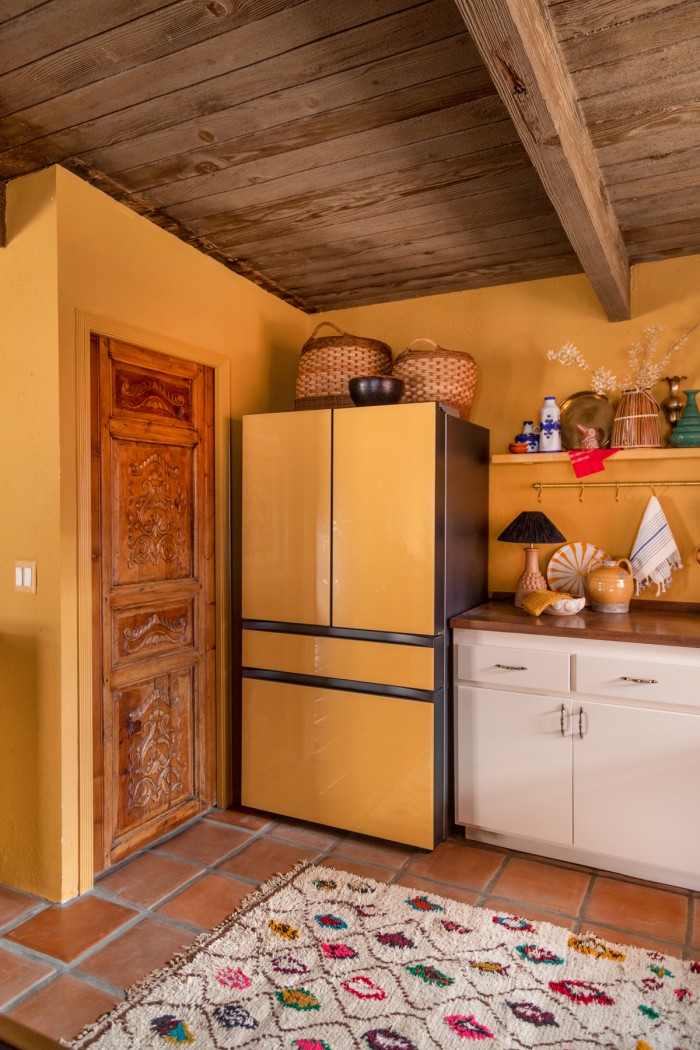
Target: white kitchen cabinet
{"points": [[517, 777], [600, 765], [637, 784]]}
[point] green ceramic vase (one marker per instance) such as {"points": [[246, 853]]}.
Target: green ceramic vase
{"points": [[687, 431]]}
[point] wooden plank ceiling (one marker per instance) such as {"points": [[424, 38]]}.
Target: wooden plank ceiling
{"points": [[348, 153]]}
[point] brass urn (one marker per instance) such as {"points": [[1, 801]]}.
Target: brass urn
{"points": [[673, 404]]}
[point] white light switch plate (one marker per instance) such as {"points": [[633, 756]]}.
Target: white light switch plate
{"points": [[25, 576]]}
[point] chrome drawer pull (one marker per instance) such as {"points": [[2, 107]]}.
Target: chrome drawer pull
{"points": [[580, 723], [562, 716], [509, 667], [639, 681]]}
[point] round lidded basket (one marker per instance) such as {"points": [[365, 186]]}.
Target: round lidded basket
{"points": [[636, 422], [437, 374], [328, 363]]}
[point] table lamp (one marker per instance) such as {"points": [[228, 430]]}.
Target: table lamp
{"points": [[531, 527]]}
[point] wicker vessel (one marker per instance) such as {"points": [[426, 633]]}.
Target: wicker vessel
{"points": [[437, 374], [636, 422], [328, 362]]}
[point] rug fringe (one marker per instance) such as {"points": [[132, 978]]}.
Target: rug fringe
{"points": [[142, 987]]}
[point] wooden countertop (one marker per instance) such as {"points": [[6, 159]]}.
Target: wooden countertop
{"points": [[656, 623]]}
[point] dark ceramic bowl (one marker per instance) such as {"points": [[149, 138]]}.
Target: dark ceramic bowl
{"points": [[375, 390]]}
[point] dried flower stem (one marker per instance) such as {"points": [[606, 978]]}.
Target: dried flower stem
{"points": [[642, 371]]}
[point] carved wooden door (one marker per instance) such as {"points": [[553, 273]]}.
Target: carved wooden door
{"points": [[154, 545]]}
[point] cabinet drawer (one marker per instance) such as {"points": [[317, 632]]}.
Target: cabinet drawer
{"points": [[509, 668], [627, 678]]}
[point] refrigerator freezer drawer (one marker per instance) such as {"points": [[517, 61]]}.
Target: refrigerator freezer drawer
{"points": [[359, 762], [387, 663]]}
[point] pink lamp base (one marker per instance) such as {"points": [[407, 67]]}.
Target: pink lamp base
{"points": [[531, 578]]}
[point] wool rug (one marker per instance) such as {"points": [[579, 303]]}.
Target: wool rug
{"points": [[320, 959]]}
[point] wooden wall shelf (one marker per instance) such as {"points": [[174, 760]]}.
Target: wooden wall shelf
{"points": [[541, 459]]}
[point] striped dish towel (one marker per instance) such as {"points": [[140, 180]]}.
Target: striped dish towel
{"points": [[654, 554]]}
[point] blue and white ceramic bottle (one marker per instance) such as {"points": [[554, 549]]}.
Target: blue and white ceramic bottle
{"points": [[550, 432]]}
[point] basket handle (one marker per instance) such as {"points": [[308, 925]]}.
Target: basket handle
{"points": [[423, 339], [330, 325]]}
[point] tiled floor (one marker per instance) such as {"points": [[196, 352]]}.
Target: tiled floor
{"points": [[61, 966]]}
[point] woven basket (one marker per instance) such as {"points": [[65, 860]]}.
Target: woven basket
{"points": [[437, 375], [328, 362], [636, 422]]}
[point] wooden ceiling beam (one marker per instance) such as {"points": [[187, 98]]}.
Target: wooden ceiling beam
{"points": [[517, 42]]}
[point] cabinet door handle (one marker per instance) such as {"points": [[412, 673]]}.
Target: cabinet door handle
{"points": [[510, 667], [563, 718], [640, 681], [581, 733]]}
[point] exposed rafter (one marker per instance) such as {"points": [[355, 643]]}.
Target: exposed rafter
{"points": [[518, 45]]}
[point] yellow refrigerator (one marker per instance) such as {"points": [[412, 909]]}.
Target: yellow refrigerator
{"points": [[364, 530]]}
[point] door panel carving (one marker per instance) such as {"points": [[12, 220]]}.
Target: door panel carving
{"points": [[155, 756], [143, 394], [140, 634], [153, 519], [153, 511]]}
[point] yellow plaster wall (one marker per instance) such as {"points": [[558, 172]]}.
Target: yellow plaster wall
{"points": [[30, 658], [71, 249], [509, 329]]}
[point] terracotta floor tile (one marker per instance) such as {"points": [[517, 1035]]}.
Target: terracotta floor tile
{"points": [[455, 893], [364, 871], [264, 858], [459, 864], [148, 878], [695, 932], [613, 936], [18, 975], [66, 932], [544, 884], [63, 1007], [241, 817], [207, 902], [318, 838], [206, 842], [641, 909], [14, 906], [372, 853], [141, 949], [528, 911]]}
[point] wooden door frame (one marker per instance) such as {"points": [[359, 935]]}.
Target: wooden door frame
{"points": [[86, 325]]}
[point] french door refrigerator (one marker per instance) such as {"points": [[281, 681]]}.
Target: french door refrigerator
{"points": [[364, 530]]}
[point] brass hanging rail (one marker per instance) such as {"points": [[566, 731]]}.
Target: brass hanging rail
{"points": [[538, 486]]}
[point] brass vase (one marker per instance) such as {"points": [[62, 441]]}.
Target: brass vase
{"points": [[673, 404]]}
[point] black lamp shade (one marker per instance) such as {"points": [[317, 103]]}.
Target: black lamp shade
{"points": [[531, 527]]}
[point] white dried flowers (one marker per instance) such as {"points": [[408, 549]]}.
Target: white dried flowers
{"points": [[642, 370]]}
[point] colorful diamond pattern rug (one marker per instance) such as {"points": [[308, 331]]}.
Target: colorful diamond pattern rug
{"points": [[321, 959]]}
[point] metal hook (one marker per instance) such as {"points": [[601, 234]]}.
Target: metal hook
{"points": [[538, 486], [580, 494], [617, 492], [653, 488]]}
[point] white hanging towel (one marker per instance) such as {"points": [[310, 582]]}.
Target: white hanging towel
{"points": [[654, 554]]}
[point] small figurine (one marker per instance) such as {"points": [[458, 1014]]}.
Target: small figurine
{"points": [[590, 437]]}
